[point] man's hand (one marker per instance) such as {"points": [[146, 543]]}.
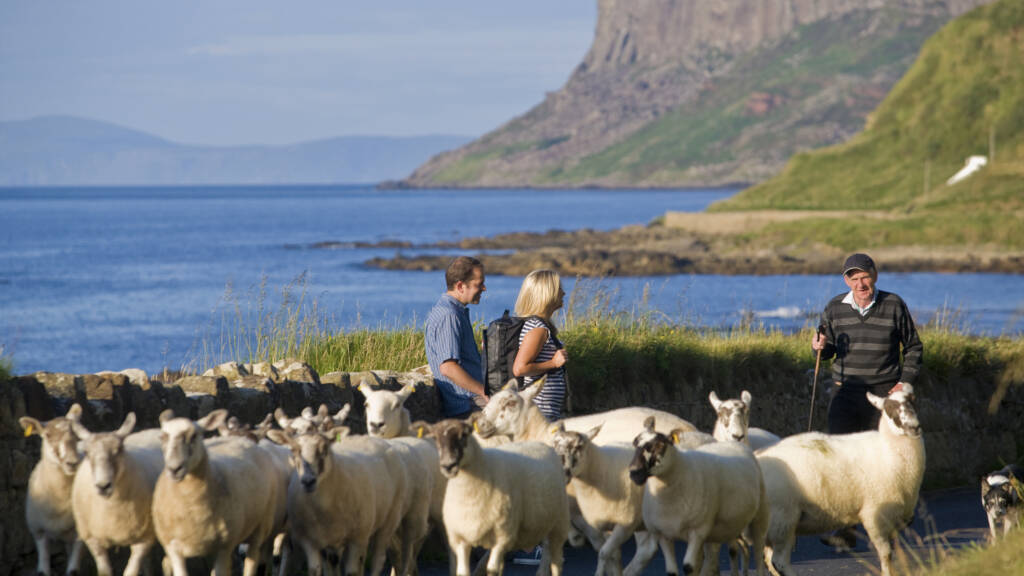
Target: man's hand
{"points": [[818, 342], [896, 388]]}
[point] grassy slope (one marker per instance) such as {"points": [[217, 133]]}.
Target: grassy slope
{"points": [[967, 84]]}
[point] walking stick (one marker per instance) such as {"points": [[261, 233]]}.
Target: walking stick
{"points": [[814, 383]]}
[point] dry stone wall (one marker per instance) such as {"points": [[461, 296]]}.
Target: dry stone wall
{"points": [[962, 438]]}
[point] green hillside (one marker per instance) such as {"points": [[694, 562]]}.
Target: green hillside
{"points": [[963, 96]]}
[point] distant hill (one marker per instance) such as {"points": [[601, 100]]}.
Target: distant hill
{"points": [[692, 92], [964, 93], [64, 150]]}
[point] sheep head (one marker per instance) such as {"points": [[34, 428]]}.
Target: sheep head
{"points": [[733, 417], [60, 443], [571, 447], [384, 410], [508, 410], [181, 441], [898, 413], [104, 451], [311, 453], [651, 447], [452, 438]]}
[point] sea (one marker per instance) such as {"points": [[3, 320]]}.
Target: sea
{"points": [[98, 279]]}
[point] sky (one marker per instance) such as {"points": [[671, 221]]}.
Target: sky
{"points": [[261, 72]]}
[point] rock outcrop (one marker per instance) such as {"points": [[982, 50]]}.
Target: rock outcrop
{"points": [[702, 92]]}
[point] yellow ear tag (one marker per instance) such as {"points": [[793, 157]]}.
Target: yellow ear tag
{"points": [[554, 429], [338, 438], [476, 427], [28, 431], [419, 432], [675, 438]]}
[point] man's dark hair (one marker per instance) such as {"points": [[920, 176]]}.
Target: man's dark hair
{"points": [[461, 270]]}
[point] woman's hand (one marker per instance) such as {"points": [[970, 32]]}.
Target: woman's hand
{"points": [[560, 358]]}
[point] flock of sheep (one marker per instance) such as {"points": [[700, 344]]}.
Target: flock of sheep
{"points": [[504, 480]]}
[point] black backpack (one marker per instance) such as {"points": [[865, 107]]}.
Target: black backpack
{"points": [[500, 345]]}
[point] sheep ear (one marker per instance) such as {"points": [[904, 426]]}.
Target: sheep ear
{"points": [[339, 418], [677, 435], [592, 433], [30, 425], [80, 431], [512, 385], [405, 392], [281, 437], [336, 433], [213, 420], [75, 412], [323, 412], [307, 413], [166, 415], [649, 424], [282, 419], [715, 402], [422, 429], [876, 401], [746, 397], [127, 426], [530, 393], [364, 388], [907, 388]]}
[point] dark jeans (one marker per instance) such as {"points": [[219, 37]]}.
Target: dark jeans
{"points": [[849, 411]]}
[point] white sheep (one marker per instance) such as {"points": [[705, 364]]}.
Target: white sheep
{"points": [[512, 413], [711, 494], [733, 422], [348, 494], [48, 501], [606, 497], [387, 418], [817, 483], [504, 498], [213, 495], [113, 493], [308, 422]]}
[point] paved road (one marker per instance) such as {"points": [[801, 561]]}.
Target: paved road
{"points": [[947, 519]]}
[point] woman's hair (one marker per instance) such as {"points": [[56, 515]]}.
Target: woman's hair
{"points": [[539, 294]]}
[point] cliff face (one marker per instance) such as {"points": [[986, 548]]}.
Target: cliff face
{"points": [[703, 92]]}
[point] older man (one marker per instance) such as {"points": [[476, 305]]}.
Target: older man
{"points": [[448, 336], [867, 330]]}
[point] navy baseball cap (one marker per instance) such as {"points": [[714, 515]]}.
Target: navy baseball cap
{"points": [[859, 261]]}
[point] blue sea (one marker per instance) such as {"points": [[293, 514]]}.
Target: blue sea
{"points": [[112, 278]]}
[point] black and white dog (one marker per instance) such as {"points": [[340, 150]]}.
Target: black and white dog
{"points": [[1001, 497]]}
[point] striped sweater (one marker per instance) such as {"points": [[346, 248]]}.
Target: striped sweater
{"points": [[867, 348]]}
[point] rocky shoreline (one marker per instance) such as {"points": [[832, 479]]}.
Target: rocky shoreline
{"points": [[669, 250]]}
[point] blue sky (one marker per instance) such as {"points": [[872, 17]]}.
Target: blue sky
{"points": [[231, 72]]}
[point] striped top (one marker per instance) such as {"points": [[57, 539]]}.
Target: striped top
{"points": [[552, 396], [867, 347]]}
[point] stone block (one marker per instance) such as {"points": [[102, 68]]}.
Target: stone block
{"points": [[211, 385], [33, 400], [229, 370]]}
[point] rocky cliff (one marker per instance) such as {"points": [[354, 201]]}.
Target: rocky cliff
{"points": [[703, 92]]}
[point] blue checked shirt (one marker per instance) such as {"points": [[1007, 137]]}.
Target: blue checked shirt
{"points": [[448, 335]]}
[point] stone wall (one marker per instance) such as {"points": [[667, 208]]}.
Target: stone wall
{"points": [[963, 440]]}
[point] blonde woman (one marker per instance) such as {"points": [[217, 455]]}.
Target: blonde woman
{"points": [[540, 351]]}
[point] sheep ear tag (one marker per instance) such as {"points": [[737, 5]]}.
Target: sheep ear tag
{"points": [[476, 427], [554, 429], [675, 438], [28, 431], [419, 432], [338, 437]]}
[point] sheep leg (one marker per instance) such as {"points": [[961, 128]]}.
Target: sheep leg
{"points": [[712, 552], [555, 556], [43, 553], [461, 558], [645, 550], [694, 557], [782, 547], [99, 554], [609, 557], [354, 558], [496, 563], [668, 551], [880, 537], [74, 556], [137, 557], [222, 563]]}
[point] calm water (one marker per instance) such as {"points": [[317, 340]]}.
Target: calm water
{"points": [[98, 279]]}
